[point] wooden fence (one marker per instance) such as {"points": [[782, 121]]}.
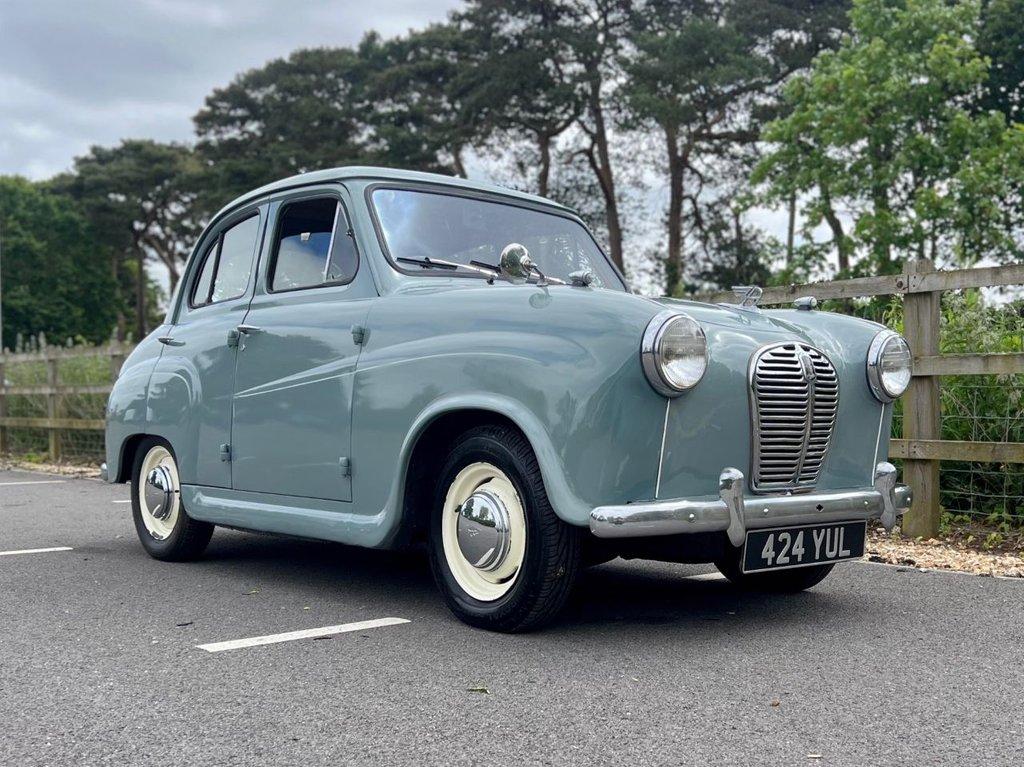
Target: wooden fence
{"points": [[921, 447], [56, 391]]}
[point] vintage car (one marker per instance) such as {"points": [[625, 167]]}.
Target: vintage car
{"points": [[392, 359]]}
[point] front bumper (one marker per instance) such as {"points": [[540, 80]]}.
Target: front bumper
{"points": [[735, 514]]}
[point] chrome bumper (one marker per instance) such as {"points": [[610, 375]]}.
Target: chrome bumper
{"points": [[103, 471], [736, 514]]}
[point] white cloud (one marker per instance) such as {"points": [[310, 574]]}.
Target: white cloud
{"points": [[76, 74]]}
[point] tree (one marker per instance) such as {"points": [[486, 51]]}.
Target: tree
{"points": [[289, 116], [1001, 39], [538, 63], [594, 31], [519, 82], [704, 73], [886, 144], [54, 273], [416, 99], [140, 198], [383, 103]]}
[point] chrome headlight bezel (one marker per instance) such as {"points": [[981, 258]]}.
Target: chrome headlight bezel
{"points": [[652, 359], [876, 380]]}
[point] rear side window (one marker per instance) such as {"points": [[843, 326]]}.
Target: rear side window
{"points": [[227, 263], [314, 246]]}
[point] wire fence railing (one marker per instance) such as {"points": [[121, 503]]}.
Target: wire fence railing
{"points": [[52, 401]]}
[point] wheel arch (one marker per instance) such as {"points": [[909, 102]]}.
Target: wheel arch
{"points": [[126, 457], [438, 426]]}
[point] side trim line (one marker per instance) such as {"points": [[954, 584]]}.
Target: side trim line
{"points": [[661, 453]]}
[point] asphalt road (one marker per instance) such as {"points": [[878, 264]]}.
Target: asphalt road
{"points": [[650, 665]]}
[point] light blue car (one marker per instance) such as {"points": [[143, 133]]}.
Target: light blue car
{"points": [[391, 359]]}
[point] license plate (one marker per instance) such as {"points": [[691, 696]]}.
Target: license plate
{"points": [[785, 547]]}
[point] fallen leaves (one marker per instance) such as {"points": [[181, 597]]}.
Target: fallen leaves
{"points": [[935, 554], [479, 689]]}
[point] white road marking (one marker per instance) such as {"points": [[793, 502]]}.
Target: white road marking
{"points": [[128, 500], [288, 636], [706, 577], [35, 551], [34, 482]]}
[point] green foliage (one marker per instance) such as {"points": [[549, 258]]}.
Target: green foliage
{"points": [[887, 129], [55, 277], [291, 115], [140, 197], [383, 103], [1001, 39], [704, 74]]}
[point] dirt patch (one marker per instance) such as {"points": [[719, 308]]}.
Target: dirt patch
{"points": [[968, 549], [62, 469]]}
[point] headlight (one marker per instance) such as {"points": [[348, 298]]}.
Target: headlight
{"points": [[889, 365], [674, 352]]}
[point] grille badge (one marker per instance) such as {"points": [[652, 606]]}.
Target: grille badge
{"points": [[807, 366]]}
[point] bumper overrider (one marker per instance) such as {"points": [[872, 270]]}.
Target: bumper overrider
{"points": [[735, 513]]}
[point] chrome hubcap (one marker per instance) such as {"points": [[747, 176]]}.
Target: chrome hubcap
{"points": [[160, 492], [483, 531]]}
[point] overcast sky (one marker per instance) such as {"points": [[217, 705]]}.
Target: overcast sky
{"points": [[74, 73]]}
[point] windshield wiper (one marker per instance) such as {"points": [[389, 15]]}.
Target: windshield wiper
{"points": [[438, 263], [491, 271], [429, 263]]}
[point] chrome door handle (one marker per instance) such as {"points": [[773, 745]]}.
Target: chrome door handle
{"points": [[169, 341], [247, 329]]}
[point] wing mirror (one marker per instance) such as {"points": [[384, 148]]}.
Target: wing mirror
{"points": [[515, 263]]}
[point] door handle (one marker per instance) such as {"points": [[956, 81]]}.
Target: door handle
{"points": [[247, 329], [170, 341]]}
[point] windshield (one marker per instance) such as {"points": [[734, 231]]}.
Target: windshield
{"points": [[419, 225]]}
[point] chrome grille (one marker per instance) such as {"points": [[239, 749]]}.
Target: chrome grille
{"points": [[793, 414]]}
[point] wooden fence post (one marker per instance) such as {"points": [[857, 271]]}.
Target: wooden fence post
{"points": [[116, 360], [4, 447], [53, 403], [922, 418]]}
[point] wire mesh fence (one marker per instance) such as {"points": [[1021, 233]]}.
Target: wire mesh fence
{"points": [[52, 401], [981, 409]]}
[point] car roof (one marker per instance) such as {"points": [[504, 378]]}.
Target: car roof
{"points": [[383, 174]]}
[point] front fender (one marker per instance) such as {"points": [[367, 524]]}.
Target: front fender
{"points": [[568, 505], [563, 366], [126, 414]]}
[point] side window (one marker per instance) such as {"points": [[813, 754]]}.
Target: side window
{"points": [[201, 290], [313, 246], [224, 273], [237, 246]]}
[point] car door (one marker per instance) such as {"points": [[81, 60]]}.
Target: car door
{"points": [[291, 433], [193, 382]]}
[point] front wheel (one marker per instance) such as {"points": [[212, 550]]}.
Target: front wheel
{"points": [[161, 522], [776, 582], [501, 557]]}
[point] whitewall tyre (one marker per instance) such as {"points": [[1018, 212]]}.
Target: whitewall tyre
{"points": [[501, 557], [161, 522]]}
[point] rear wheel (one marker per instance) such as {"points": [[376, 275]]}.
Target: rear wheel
{"points": [[164, 527], [777, 582], [501, 557]]}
